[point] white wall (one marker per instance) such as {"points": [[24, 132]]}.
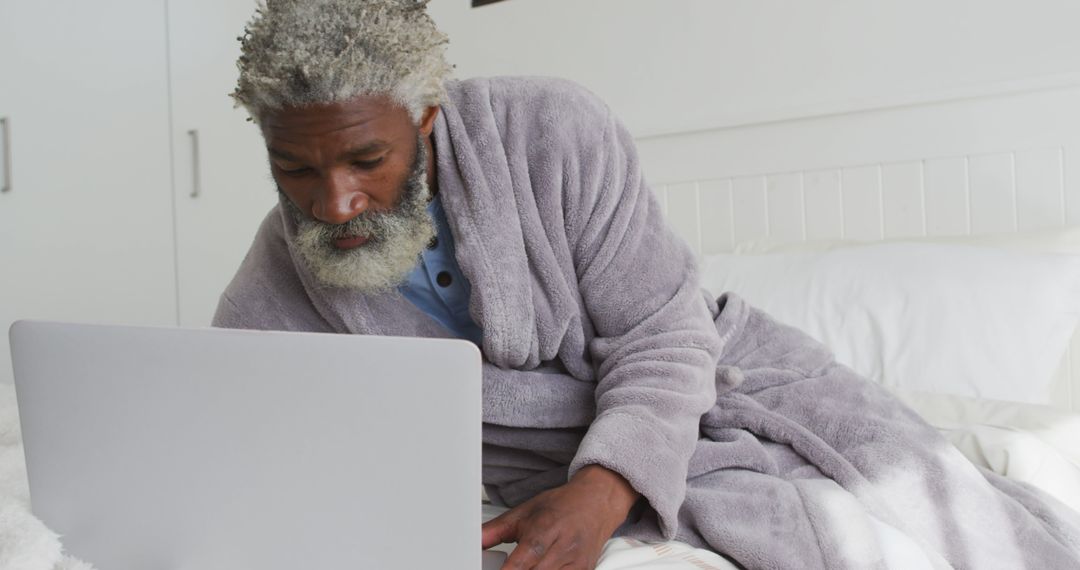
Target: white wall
{"points": [[677, 65]]}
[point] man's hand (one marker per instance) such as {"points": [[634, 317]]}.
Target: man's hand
{"points": [[565, 527]]}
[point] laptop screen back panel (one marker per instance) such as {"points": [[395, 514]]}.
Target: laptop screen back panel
{"points": [[224, 449]]}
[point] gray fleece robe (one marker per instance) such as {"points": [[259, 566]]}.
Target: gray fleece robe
{"points": [[573, 270], [741, 435]]}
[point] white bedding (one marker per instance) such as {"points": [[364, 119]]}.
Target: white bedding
{"points": [[1038, 445], [630, 554]]}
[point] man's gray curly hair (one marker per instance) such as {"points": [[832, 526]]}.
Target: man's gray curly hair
{"points": [[302, 52]]}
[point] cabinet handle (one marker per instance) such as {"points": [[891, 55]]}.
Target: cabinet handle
{"points": [[5, 126], [196, 183]]}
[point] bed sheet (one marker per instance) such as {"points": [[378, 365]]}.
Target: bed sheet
{"points": [[630, 554]]}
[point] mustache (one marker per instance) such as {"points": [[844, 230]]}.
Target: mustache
{"points": [[375, 225]]}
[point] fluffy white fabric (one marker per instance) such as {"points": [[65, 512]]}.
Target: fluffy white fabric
{"points": [[25, 543], [952, 319]]}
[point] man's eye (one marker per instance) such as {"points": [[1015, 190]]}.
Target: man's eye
{"points": [[302, 171], [367, 164]]}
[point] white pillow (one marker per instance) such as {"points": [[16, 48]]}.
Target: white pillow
{"points": [[952, 319]]}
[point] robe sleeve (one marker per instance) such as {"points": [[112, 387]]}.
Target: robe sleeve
{"points": [[656, 346]]}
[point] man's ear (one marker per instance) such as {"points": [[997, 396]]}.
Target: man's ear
{"points": [[427, 121]]}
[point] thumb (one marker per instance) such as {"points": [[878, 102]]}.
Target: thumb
{"points": [[500, 529]]}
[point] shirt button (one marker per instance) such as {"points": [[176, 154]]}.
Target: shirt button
{"points": [[444, 279], [434, 243]]}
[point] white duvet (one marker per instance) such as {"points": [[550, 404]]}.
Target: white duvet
{"points": [[1034, 444]]}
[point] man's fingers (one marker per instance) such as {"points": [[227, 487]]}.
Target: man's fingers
{"points": [[500, 529], [561, 554], [528, 553], [550, 552]]}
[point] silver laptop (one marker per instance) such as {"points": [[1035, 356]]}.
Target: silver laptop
{"points": [[210, 449]]}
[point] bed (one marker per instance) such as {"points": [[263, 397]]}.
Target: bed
{"points": [[978, 185], [988, 179]]}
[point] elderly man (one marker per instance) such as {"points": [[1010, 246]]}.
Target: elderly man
{"points": [[515, 216], [512, 212]]}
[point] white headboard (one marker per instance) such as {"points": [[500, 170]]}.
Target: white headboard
{"points": [[1003, 162]]}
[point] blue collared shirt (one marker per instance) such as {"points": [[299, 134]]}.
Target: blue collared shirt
{"points": [[437, 286]]}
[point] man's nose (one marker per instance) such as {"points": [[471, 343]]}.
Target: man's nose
{"points": [[341, 200]]}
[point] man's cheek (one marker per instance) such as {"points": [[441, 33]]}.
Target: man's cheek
{"points": [[294, 203]]}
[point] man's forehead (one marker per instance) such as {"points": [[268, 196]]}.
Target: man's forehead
{"points": [[369, 112], [285, 152]]}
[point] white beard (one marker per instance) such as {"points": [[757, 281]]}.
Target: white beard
{"points": [[396, 238]]}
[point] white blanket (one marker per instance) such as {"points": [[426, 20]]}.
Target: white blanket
{"points": [[25, 543], [1016, 441]]}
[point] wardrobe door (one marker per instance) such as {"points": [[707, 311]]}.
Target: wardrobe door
{"points": [[86, 221], [222, 179]]}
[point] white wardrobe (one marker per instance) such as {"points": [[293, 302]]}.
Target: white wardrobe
{"points": [[131, 186]]}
